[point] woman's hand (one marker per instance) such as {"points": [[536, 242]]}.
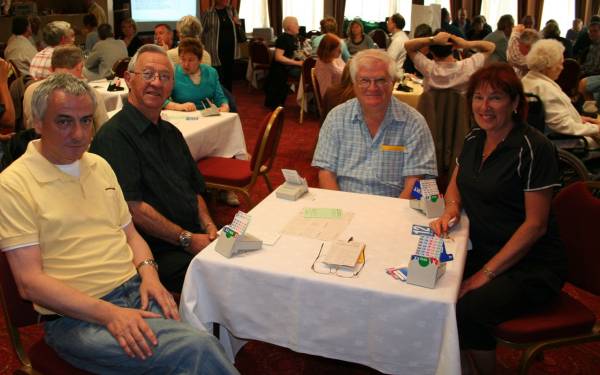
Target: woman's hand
{"points": [[444, 223], [476, 281], [224, 108], [186, 107]]}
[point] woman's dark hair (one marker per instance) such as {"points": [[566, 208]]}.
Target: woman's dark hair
{"points": [[423, 31], [440, 51], [191, 45], [500, 76], [326, 47]]}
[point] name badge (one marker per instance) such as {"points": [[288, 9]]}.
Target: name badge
{"points": [[397, 148]]}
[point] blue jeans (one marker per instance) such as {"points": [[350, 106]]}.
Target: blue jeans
{"points": [[181, 348]]}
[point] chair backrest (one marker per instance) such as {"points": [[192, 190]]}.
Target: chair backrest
{"points": [[312, 33], [569, 77], [259, 52], [120, 66], [536, 114], [308, 64], [17, 312], [449, 124], [14, 73], [317, 90], [577, 212], [380, 37], [267, 142]]}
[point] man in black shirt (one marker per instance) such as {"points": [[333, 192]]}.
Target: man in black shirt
{"points": [[155, 169]]}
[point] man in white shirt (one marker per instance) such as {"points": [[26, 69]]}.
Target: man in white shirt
{"points": [[19, 49], [395, 26]]}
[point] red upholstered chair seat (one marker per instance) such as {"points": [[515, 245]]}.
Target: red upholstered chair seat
{"points": [[226, 171], [565, 317], [45, 360]]}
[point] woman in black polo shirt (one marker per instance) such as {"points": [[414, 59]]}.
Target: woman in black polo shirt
{"points": [[504, 181]]}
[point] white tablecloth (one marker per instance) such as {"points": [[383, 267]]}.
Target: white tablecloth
{"points": [[113, 100], [210, 136], [272, 295]]}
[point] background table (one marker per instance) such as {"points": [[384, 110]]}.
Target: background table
{"points": [[210, 136], [410, 98], [272, 295], [113, 100]]}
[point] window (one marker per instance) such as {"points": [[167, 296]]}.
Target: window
{"points": [[562, 11], [255, 14], [308, 12], [442, 3], [365, 10], [492, 10]]}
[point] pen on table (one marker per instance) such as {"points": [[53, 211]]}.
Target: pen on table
{"points": [[350, 239]]}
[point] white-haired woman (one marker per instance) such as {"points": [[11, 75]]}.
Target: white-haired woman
{"points": [[545, 62], [284, 64]]}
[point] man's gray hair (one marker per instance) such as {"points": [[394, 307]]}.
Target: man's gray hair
{"points": [[153, 48], [529, 36], [544, 54], [366, 56], [189, 27], [54, 31], [67, 83]]}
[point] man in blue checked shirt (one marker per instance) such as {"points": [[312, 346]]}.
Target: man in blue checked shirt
{"points": [[374, 144]]}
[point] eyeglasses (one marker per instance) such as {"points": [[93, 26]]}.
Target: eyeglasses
{"points": [[324, 269], [366, 82], [150, 75]]}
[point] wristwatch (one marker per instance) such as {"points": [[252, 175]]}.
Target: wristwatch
{"points": [[430, 39], [147, 262], [185, 239]]}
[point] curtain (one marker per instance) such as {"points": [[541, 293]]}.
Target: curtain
{"points": [[476, 7], [276, 15], [339, 7], [537, 13], [522, 11], [455, 5]]}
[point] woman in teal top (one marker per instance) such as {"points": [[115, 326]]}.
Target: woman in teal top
{"points": [[195, 83]]}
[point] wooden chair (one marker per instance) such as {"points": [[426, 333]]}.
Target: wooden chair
{"points": [[13, 74], [259, 58], [569, 77], [120, 66], [566, 321], [240, 176], [307, 86], [18, 313], [317, 91]]}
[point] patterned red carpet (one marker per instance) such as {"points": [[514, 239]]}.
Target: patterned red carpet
{"points": [[257, 358]]}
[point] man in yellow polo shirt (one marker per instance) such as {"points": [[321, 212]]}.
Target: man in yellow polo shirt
{"points": [[70, 242]]}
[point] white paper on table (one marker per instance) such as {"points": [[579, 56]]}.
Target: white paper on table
{"points": [[318, 228]]}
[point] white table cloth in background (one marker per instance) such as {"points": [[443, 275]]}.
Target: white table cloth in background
{"points": [[210, 136], [113, 100], [272, 294]]}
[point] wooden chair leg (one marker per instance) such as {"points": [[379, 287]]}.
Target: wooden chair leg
{"points": [[268, 182]]}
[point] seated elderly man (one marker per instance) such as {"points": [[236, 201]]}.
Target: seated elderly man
{"points": [[55, 33], [163, 36], [19, 49], [65, 59], [444, 71], [374, 143], [105, 53], [155, 168], [188, 27], [75, 253], [519, 45]]}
